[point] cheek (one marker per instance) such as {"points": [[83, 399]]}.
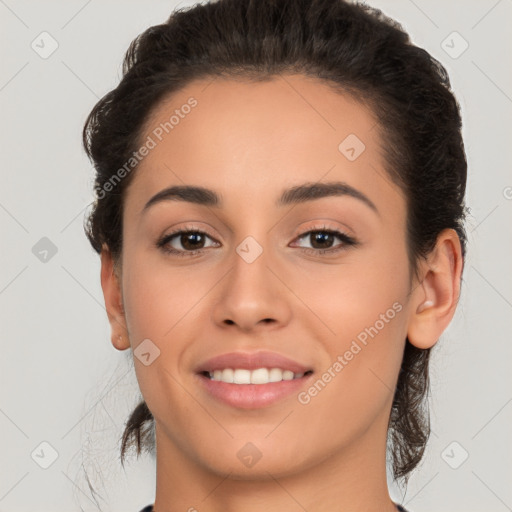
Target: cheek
{"points": [[364, 324], [360, 311], [356, 383], [343, 300], [162, 304], [159, 298]]}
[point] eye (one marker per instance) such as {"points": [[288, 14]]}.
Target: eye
{"points": [[186, 242], [189, 242], [324, 240]]}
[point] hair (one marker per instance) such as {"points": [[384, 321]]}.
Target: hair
{"points": [[350, 46]]}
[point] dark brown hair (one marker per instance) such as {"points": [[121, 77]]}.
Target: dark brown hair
{"points": [[355, 49]]}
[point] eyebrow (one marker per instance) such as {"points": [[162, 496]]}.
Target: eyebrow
{"points": [[294, 195]]}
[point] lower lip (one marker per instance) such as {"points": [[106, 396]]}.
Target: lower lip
{"points": [[252, 396]]}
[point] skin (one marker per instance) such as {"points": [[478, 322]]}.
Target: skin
{"points": [[249, 142]]}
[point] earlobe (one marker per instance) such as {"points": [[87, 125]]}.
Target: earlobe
{"points": [[113, 301], [434, 301], [120, 342]]}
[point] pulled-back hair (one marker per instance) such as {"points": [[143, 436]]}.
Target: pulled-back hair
{"points": [[355, 49]]}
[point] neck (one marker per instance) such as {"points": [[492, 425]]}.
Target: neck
{"points": [[351, 479]]}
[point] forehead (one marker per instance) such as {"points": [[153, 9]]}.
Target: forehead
{"points": [[233, 134], [285, 108]]}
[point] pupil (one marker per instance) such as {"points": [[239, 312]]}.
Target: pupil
{"points": [[191, 240], [322, 238]]}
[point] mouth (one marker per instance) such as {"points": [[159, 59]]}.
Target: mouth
{"points": [[252, 381], [258, 376]]}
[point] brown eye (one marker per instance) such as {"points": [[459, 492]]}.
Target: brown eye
{"points": [[186, 241], [325, 240], [192, 240], [321, 239]]}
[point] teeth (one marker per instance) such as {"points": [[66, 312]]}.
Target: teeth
{"points": [[242, 377], [259, 376]]}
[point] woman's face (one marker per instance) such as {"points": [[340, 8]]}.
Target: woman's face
{"points": [[297, 260]]}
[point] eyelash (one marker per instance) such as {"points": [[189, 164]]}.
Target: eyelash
{"points": [[347, 241]]}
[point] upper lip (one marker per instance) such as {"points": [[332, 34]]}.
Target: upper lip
{"points": [[251, 361]]}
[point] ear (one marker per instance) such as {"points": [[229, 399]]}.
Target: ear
{"points": [[110, 283], [435, 299]]}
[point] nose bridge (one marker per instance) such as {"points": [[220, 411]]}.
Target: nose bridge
{"points": [[250, 278], [251, 293]]}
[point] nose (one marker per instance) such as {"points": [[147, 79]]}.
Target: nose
{"points": [[252, 296]]}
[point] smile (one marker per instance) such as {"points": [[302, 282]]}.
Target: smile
{"points": [[258, 376]]}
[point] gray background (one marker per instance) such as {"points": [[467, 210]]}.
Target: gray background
{"points": [[64, 384]]}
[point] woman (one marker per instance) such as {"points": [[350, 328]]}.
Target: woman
{"points": [[280, 217]]}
